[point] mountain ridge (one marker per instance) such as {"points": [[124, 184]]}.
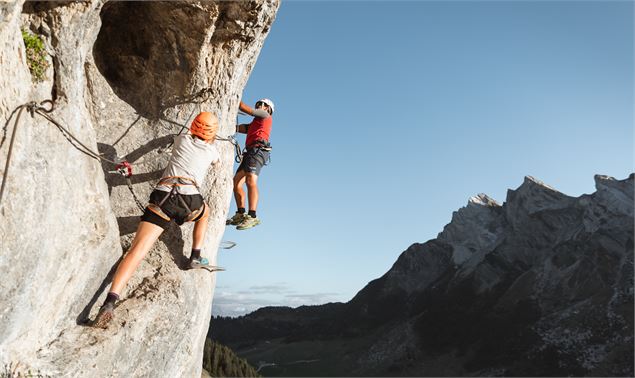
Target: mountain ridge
{"points": [[540, 285]]}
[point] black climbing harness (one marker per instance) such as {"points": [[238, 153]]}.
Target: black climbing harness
{"points": [[262, 144], [254, 149], [175, 182]]}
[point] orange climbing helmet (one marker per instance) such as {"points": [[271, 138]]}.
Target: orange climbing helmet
{"points": [[205, 126]]}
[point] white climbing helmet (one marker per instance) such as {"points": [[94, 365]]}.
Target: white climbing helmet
{"points": [[268, 102]]}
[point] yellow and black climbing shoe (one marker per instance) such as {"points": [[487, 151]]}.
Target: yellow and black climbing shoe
{"points": [[236, 219], [248, 222]]}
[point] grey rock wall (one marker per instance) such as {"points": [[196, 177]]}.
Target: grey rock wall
{"points": [[124, 77]]}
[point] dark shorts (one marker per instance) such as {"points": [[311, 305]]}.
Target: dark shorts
{"points": [[173, 208], [253, 160]]}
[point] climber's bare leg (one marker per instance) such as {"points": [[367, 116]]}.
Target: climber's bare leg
{"points": [[200, 227], [147, 235]]}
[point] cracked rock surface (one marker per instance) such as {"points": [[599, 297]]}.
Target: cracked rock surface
{"points": [[124, 77]]}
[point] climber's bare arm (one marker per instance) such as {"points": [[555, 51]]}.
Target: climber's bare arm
{"points": [[242, 128], [258, 113]]}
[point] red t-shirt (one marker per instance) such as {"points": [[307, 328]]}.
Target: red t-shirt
{"points": [[259, 128]]}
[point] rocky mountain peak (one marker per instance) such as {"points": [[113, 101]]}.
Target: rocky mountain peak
{"points": [[483, 200], [534, 196], [531, 180], [531, 198], [604, 209], [617, 195], [474, 229], [540, 286]]}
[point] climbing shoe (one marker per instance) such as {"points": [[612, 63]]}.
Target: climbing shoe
{"points": [[236, 219], [104, 316], [198, 263], [248, 222]]}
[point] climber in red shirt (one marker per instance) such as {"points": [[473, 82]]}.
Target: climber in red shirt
{"points": [[255, 156]]}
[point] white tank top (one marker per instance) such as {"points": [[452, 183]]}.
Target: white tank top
{"points": [[191, 158]]}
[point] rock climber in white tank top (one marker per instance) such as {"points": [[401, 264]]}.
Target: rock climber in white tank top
{"points": [[176, 197]]}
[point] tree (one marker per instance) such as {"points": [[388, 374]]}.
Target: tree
{"points": [[220, 361]]}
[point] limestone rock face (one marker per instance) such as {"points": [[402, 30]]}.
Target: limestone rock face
{"points": [[124, 77]]}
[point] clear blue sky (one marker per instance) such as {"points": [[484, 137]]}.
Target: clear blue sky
{"points": [[390, 115]]}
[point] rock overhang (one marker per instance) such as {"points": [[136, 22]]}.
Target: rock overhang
{"points": [[149, 51]]}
